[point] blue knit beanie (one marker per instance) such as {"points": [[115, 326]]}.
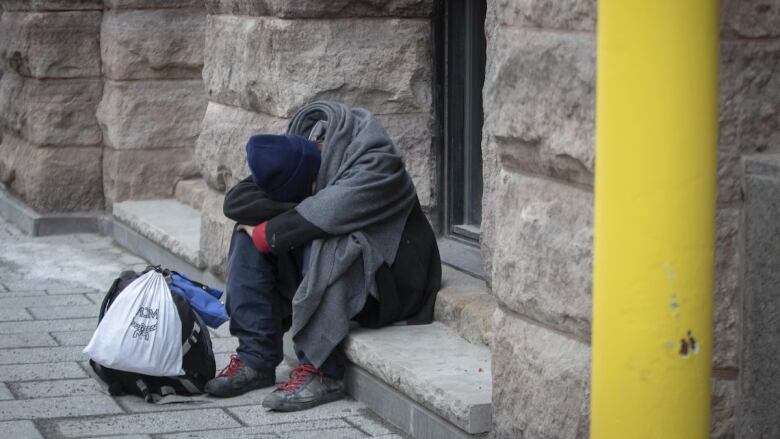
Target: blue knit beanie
{"points": [[283, 166]]}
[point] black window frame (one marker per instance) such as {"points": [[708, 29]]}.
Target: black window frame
{"points": [[460, 73]]}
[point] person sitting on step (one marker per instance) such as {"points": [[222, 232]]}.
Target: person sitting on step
{"points": [[329, 230]]}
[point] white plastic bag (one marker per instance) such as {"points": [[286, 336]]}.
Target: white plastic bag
{"points": [[141, 331]]}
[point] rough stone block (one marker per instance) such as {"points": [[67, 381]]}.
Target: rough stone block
{"points": [[153, 44], [51, 5], [142, 174], [553, 75], [215, 234], [56, 179], [545, 379], [51, 112], [151, 114], [414, 139], [724, 396], [552, 133], [152, 4], [749, 107], [191, 192], [758, 415], [750, 18], [579, 15], [542, 266], [221, 146], [727, 290], [275, 66], [315, 9], [51, 45]]}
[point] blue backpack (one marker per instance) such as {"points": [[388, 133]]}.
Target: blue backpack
{"points": [[203, 299]]}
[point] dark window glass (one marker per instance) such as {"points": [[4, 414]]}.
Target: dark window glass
{"points": [[464, 72]]}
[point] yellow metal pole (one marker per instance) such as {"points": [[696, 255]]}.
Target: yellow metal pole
{"points": [[656, 139]]}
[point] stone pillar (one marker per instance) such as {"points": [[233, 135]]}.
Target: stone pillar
{"points": [[153, 99], [264, 59], [538, 167], [51, 148]]}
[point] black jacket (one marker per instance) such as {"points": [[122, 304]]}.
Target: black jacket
{"points": [[407, 288]]}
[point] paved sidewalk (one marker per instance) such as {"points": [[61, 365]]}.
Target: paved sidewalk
{"points": [[50, 289]]}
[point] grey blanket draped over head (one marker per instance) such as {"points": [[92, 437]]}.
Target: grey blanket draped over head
{"points": [[363, 199]]}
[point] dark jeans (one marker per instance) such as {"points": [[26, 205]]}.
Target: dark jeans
{"points": [[258, 308]]}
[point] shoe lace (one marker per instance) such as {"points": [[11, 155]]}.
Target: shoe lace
{"points": [[298, 377], [233, 367]]}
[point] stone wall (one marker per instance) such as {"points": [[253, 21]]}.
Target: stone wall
{"points": [[153, 97], [538, 165], [266, 58], [51, 149]]}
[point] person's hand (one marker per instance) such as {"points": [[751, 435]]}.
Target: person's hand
{"points": [[248, 229]]}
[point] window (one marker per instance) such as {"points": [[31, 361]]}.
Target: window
{"points": [[461, 43]]}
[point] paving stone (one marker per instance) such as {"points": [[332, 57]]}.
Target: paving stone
{"points": [[58, 407], [73, 338], [64, 312], [296, 430], [42, 355], [257, 415], [43, 371], [66, 290], [49, 389], [5, 393], [47, 326], [32, 339], [20, 429], [149, 423], [367, 424], [17, 293], [97, 298], [13, 314], [43, 301], [336, 433]]}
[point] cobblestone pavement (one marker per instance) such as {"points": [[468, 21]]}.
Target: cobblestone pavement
{"points": [[50, 288]]}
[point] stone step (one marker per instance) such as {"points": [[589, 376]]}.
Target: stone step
{"points": [[191, 192], [465, 305], [427, 380], [432, 366], [164, 232]]}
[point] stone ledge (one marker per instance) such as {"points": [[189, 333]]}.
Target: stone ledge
{"points": [[36, 224], [465, 305], [167, 223], [431, 365]]}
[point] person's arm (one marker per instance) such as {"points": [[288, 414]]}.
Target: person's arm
{"points": [[283, 233], [245, 203]]}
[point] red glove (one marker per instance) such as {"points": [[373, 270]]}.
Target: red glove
{"points": [[258, 238]]}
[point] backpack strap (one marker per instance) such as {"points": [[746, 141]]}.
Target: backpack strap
{"points": [[192, 340], [114, 385], [189, 385]]}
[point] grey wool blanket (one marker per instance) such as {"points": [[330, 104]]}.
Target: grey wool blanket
{"points": [[363, 199]]}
